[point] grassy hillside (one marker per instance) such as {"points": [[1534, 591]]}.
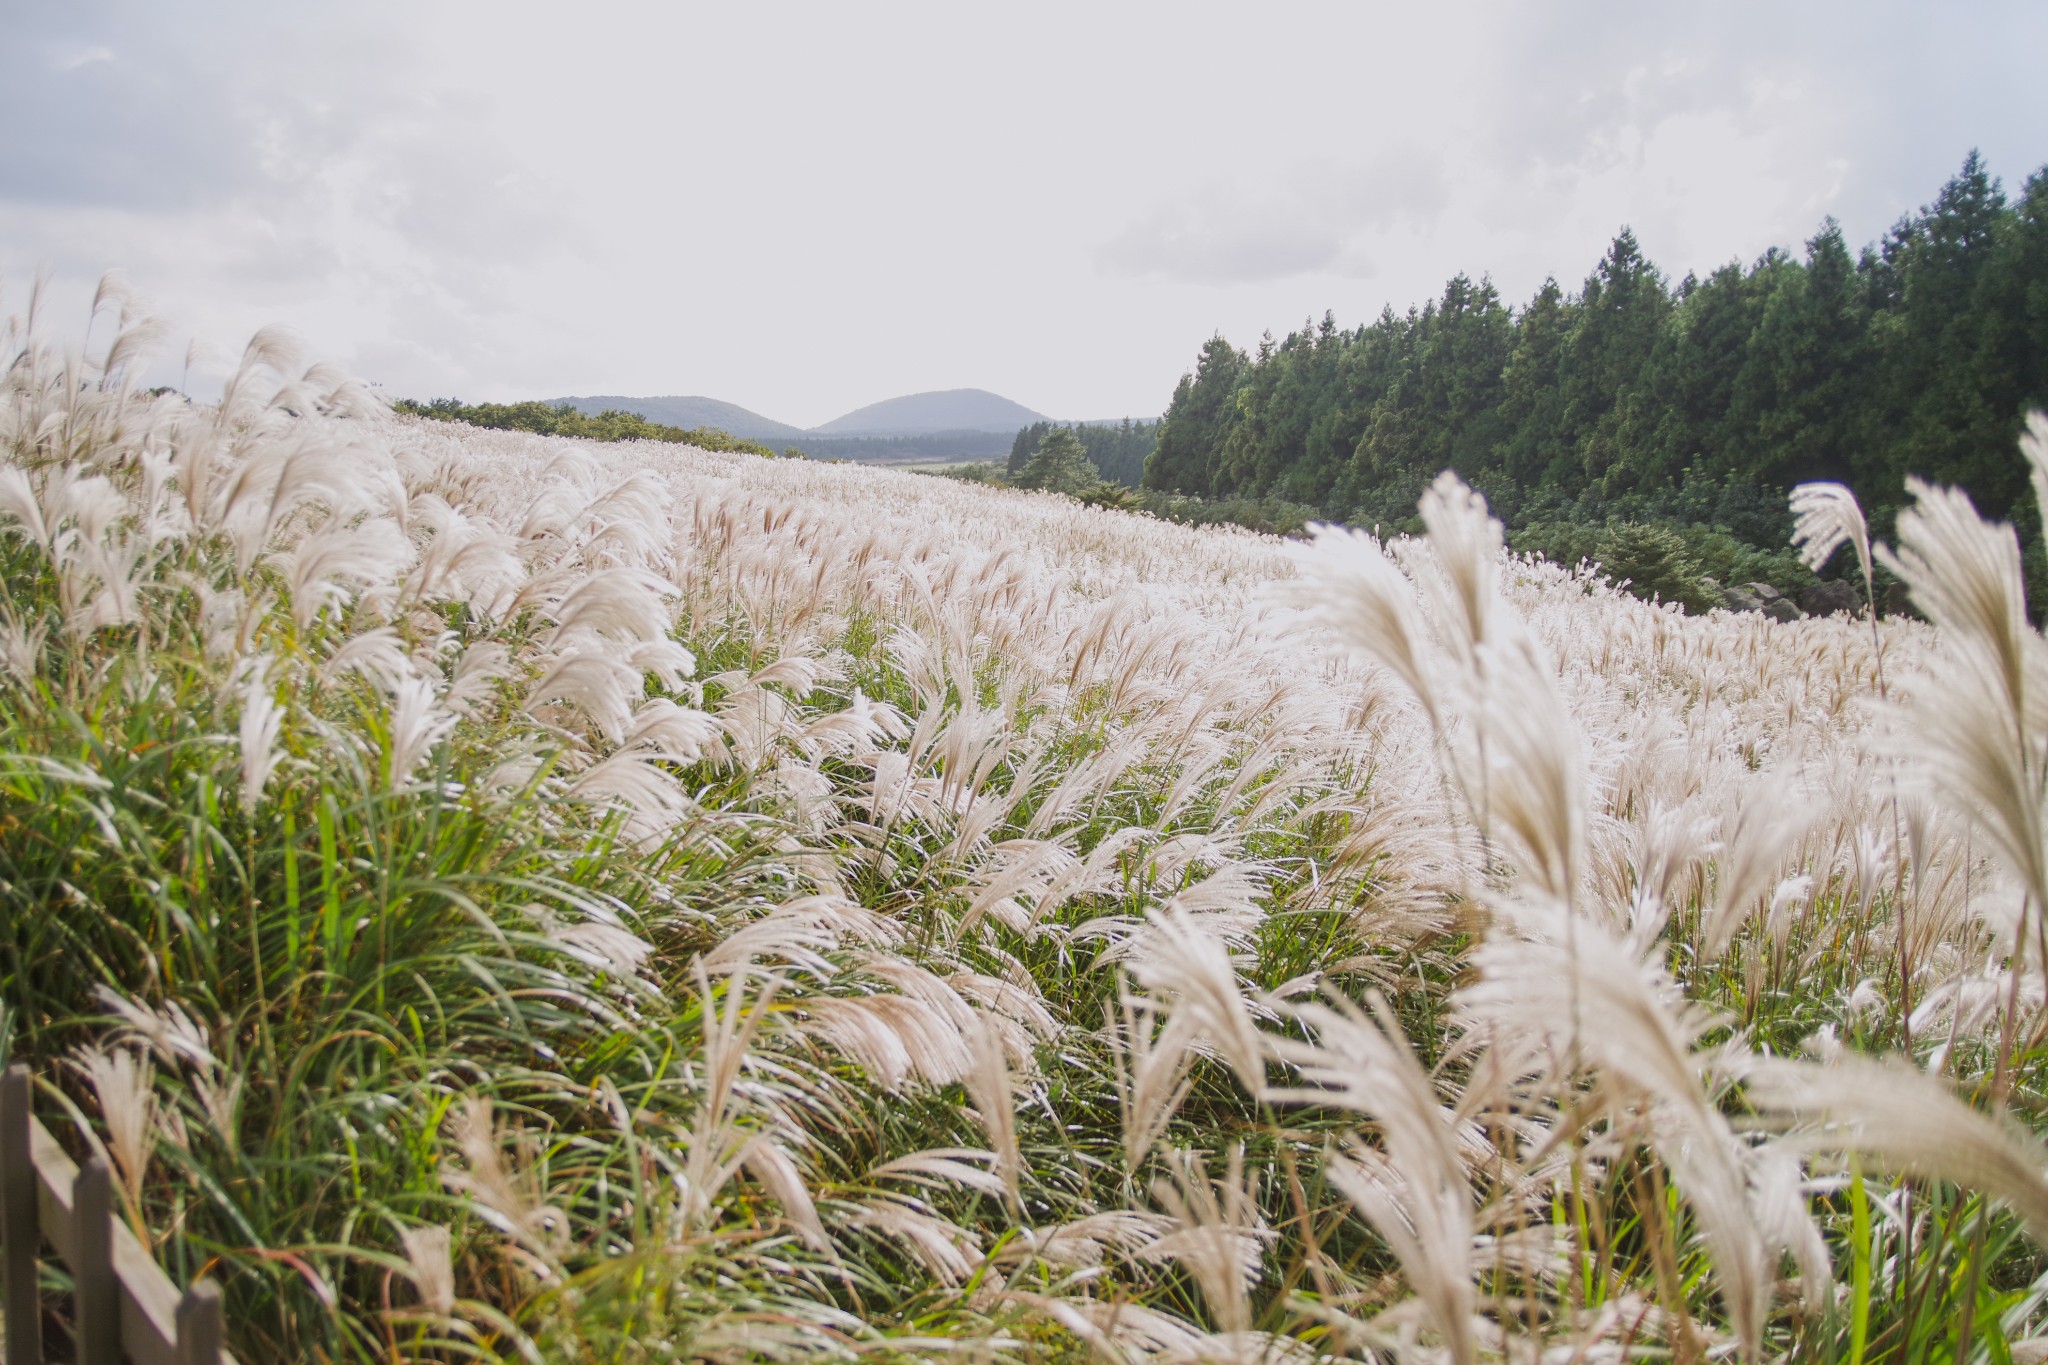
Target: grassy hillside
{"points": [[503, 897], [561, 419], [688, 412]]}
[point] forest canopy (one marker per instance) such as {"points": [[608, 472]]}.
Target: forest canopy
{"points": [[1118, 450], [1693, 405]]}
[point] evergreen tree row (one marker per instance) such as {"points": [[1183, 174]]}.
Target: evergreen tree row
{"points": [[1632, 400], [561, 419], [1119, 452]]}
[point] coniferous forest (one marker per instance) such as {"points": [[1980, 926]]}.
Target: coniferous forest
{"points": [[1118, 451], [1633, 400]]}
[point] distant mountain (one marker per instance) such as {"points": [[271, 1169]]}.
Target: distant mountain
{"points": [[946, 410], [959, 420], [691, 411]]}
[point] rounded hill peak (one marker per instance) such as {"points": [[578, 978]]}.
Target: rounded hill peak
{"points": [[941, 410]]}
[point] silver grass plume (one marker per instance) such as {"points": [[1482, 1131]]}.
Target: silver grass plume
{"points": [[2034, 446], [1355, 590], [1573, 990], [988, 1085], [1467, 542], [1533, 770], [262, 722], [1826, 515], [417, 724], [1907, 1121], [1415, 1192], [1975, 735], [1218, 1236], [1150, 1067], [430, 1267], [124, 1082], [1183, 964]]}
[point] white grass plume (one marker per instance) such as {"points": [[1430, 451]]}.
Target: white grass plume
{"points": [[1150, 1067], [1907, 1121], [418, 723], [1181, 963], [1218, 1236], [123, 1081], [1464, 589], [1355, 590], [988, 1085], [1415, 1192], [1826, 515], [1974, 735], [262, 722], [2034, 447], [1585, 997], [430, 1267]]}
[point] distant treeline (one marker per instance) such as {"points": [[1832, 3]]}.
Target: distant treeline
{"points": [[563, 420], [1632, 401], [1119, 452], [940, 445]]}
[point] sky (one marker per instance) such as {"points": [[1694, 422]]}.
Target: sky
{"points": [[803, 209]]}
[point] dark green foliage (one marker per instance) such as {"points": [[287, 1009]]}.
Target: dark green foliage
{"points": [[1201, 415], [1118, 452], [1655, 564], [1690, 409], [564, 420], [1274, 516], [1060, 465]]}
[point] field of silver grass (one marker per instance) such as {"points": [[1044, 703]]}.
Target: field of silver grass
{"points": [[493, 897]]}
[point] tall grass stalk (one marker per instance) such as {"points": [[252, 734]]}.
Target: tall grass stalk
{"points": [[497, 897]]}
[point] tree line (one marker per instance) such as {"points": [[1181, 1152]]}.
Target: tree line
{"points": [[1118, 451], [1690, 408], [563, 420]]}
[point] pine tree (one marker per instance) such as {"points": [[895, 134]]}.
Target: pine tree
{"points": [[1620, 317], [1804, 387], [1060, 465], [1020, 449], [1197, 421], [1532, 399], [1934, 359]]}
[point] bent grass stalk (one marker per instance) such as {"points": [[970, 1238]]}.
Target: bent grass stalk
{"points": [[614, 903]]}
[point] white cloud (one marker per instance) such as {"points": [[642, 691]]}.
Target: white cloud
{"points": [[86, 56], [807, 209], [1316, 216]]}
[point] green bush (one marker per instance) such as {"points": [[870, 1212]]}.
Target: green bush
{"points": [[1671, 561]]}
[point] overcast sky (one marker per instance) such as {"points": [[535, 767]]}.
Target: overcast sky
{"points": [[803, 209]]}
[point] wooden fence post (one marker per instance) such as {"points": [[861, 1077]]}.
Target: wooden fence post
{"points": [[124, 1307], [21, 1233], [199, 1325], [96, 1290]]}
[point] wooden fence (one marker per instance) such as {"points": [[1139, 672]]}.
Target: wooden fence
{"points": [[123, 1306]]}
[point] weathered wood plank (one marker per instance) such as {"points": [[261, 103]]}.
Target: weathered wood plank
{"points": [[21, 1236], [95, 1289], [149, 1301]]}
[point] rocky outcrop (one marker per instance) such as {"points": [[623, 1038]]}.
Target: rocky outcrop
{"points": [[1828, 597], [1761, 597], [1735, 599]]}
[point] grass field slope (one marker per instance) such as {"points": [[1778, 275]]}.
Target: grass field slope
{"points": [[495, 897]]}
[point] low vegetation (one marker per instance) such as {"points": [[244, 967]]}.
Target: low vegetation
{"points": [[498, 897], [562, 419], [1117, 450]]}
